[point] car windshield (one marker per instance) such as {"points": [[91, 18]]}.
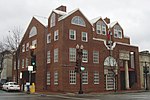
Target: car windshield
{"points": [[13, 83]]}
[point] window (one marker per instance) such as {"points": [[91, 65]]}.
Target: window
{"points": [[56, 55], [72, 54], [101, 28], [96, 77], [27, 62], [85, 56], [72, 34], [72, 77], [27, 46], [85, 77], [22, 63], [48, 78], [132, 54], [56, 35], [23, 48], [14, 65], [56, 78], [77, 20], [48, 57], [117, 31], [84, 37], [34, 43], [33, 32], [18, 63], [95, 57], [52, 20], [49, 38]]}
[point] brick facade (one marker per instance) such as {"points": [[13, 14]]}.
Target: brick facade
{"points": [[95, 42]]}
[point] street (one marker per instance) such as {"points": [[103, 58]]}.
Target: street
{"points": [[23, 96]]}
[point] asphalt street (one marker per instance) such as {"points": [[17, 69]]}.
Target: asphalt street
{"points": [[23, 96]]}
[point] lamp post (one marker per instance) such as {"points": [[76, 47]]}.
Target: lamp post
{"points": [[146, 71], [79, 50]]}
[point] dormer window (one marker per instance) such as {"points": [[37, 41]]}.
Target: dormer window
{"points": [[77, 20], [117, 32], [52, 20], [101, 28]]}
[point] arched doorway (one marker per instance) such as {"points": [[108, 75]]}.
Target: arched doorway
{"points": [[110, 72]]}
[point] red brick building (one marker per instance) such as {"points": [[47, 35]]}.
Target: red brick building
{"points": [[110, 61]]}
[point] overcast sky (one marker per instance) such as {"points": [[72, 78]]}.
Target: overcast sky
{"points": [[132, 15]]}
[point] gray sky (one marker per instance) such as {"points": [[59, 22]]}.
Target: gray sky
{"points": [[132, 15]]}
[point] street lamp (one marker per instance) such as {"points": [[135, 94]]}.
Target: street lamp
{"points": [[79, 50], [146, 71]]}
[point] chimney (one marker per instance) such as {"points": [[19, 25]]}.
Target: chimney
{"points": [[61, 8], [107, 20]]}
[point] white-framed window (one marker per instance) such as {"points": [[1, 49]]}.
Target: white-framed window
{"points": [[85, 77], [101, 28], [77, 20], [22, 63], [84, 36], [72, 75], [96, 77], [95, 56], [18, 63], [27, 62], [56, 55], [48, 78], [52, 20], [85, 56], [56, 35], [55, 78], [34, 43], [23, 48], [117, 31], [27, 46], [72, 54], [33, 32], [72, 34], [48, 57], [49, 38]]}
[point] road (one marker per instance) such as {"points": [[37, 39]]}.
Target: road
{"points": [[24, 96]]}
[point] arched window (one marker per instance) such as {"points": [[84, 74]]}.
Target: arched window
{"points": [[52, 21], [101, 28], [77, 20], [33, 31]]}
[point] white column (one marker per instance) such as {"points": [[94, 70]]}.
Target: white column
{"points": [[126, 75]]}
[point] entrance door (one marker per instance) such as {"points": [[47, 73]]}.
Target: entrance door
{"points": [[110, 80]]}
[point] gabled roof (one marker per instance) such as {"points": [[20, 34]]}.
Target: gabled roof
{"points": [[96, 19], [113, 24], [42, 20], [59, 12], [63, 17]]}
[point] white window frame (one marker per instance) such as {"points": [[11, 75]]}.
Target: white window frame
{"points": [[48, 57], [84, 35], [117, 31], [96, 57], [27, 46], [72, 77], [27, 62], [22, 63], [85, 56], [56, 55], [72, 33], [34, 43], [56, 35], [23, 48], [100, 27], [85, 77], [77, 20], [49, 38], [56, 78], [53, 20], [33, 32], [72, 54], [48, 78], [96, 77]]}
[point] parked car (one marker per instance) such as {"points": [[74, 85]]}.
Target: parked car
{"points": [[11, 86]]}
